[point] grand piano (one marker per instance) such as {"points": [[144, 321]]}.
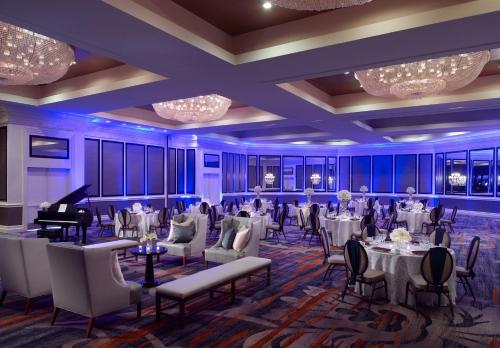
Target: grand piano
{"points": [[65, 214]]}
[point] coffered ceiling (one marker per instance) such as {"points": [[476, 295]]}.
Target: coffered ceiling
{"points": [[284, 69]]}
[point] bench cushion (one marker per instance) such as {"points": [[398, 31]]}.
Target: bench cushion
{"points": [[199, 282]]}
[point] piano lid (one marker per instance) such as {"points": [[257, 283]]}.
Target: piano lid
{"points": [[75, 196]]}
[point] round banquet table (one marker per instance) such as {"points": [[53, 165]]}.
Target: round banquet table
{"points": [[195, 209], [141, 219], [264, 220], [398, 267], [340, 229], [414, 219], [359, 206], [306, 210]]}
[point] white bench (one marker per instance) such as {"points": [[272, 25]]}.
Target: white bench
{"points": [[121, 244], [183, 289]]}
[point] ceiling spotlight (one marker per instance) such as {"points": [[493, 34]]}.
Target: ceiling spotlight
{"points": [[267, 5], [346, 73], [108, 121]]}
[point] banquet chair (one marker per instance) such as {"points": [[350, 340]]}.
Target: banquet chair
{"points": [[125, 220], [464, 273], [89, 282], [440, 236], [356, 261], [331, 260], [337, 209], [278, 228], [215, 223], [243, 213], [204, 208], [372, 230], [161, 221], [315, 227], [276, 212], [103, 226], [399, 222], [384, 219], [257, 203], [436, 268], [24, 268], [452, 219], [111, 212], [434, 217], [424, 202], [314, 209], [305, 223], [229, 208], [237, 203]]}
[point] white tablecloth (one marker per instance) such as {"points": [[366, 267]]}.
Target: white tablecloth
{"points": [[397, 269], [414, 219], [195, 209], [306, 210], [360, 205], [142, 220], [264, 220], [340, 230]]}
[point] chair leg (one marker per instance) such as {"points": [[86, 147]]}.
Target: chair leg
{"points": [[2, 297], [470, 289], [139, 310], [158, 307], [327, 270], [406, 293], [463, 284], [451, 305], [28, 306], [54, 315], [371, 295], [206, 264], [345, 289], [385, 288], [451, 228], [90, 325], [184, 260], [182, 311]]}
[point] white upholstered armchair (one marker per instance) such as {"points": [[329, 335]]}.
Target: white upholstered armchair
{"points": [[218, 254], [24, 267], [89, 282], [196, 246]]}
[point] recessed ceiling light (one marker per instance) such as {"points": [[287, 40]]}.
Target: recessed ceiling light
{"points": [[453, 134], [346, 73], [456, 108], [108, 121], [267, 5], [302, 142], [124, 124]]}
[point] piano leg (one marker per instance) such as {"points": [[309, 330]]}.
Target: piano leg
{"points": [[78, 231], [84, 235]]}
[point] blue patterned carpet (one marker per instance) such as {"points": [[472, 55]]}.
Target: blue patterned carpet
{"points": [[297, 310]]}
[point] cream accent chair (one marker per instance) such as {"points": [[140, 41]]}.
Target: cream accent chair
{"points": [[24, 267], [221, 255], [196, 246], [83, 282]]}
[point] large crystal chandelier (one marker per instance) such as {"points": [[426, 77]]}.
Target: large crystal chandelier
{"points": [[28, 58], [203, 108], [317, 5], [425, 77], [457, 179]]}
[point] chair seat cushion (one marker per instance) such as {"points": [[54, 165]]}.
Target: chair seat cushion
{"points": [[221, 255], [419, 282], [135, 292], [274, 227], [177, 249], [462, 272], [373, 276], [336, 260]]}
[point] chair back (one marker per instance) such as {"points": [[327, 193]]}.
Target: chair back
{"points": [[370, 203], [330, 207], [338, 208], [325, 242], [454, 214], [434, 215], [356, 259], [230, 207], [257, 203], [212, 215], [237, 202], [111, 212], [392, 220], [204, 208], [382, 211], [440, 236], [314, 209], [442, 211], [243, 213], [179, 207], [285, 208], [370, 231], [296, 202], [162, 216], [472, 254], [436, 267], [124, 217], [302, 218], [276, 203], [315, 223], [424, 202], [99, 218]]}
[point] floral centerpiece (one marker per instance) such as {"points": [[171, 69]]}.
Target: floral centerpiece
{"points": [[400, 236], [419, 206], [363, 189], [247, 208], [410, 191], [344, 196], [257, 189], [45, 205], [136, 207], [148, 238], [309, 192]]}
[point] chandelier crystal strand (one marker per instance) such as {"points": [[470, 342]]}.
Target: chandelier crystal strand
{"points": [[192, 110], [28, 58], [315, 178], [269, 178], [317, 5], [423, 78]]}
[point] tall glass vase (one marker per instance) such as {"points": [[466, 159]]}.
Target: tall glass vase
{"points": [[344, 207]]}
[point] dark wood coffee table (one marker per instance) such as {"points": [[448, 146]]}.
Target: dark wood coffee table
{"points": [[149, 275]]}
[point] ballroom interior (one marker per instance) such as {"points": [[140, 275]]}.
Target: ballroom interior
{"points": [[250, 173]]}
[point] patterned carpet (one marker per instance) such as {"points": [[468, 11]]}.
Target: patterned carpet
{"points": [[298, 309]]}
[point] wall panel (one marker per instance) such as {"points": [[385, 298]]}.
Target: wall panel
{"points": [[382, 174], [172, 171], [439, 174], [344, 173], [191, 171], [180, 171], [405, 172], [112, 168], [156, 170], [360, 174], [425, 173], [135, 169], [93, 167], [3, 163]]}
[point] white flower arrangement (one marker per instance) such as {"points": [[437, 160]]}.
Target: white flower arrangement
{"points": [[247, 208], [419, 206], [257, 189], [400, 235], [344, 195], [45, 205], [309, 191], [410, 190], [363, 189], [149, 237], [137, 207]]}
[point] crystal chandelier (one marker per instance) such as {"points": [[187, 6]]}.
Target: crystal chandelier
{"points": [[269, 178], [330, 180], [425, 77], [203, 108], [317, 5], [28, 58], [457, 179], [315, 178]]}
